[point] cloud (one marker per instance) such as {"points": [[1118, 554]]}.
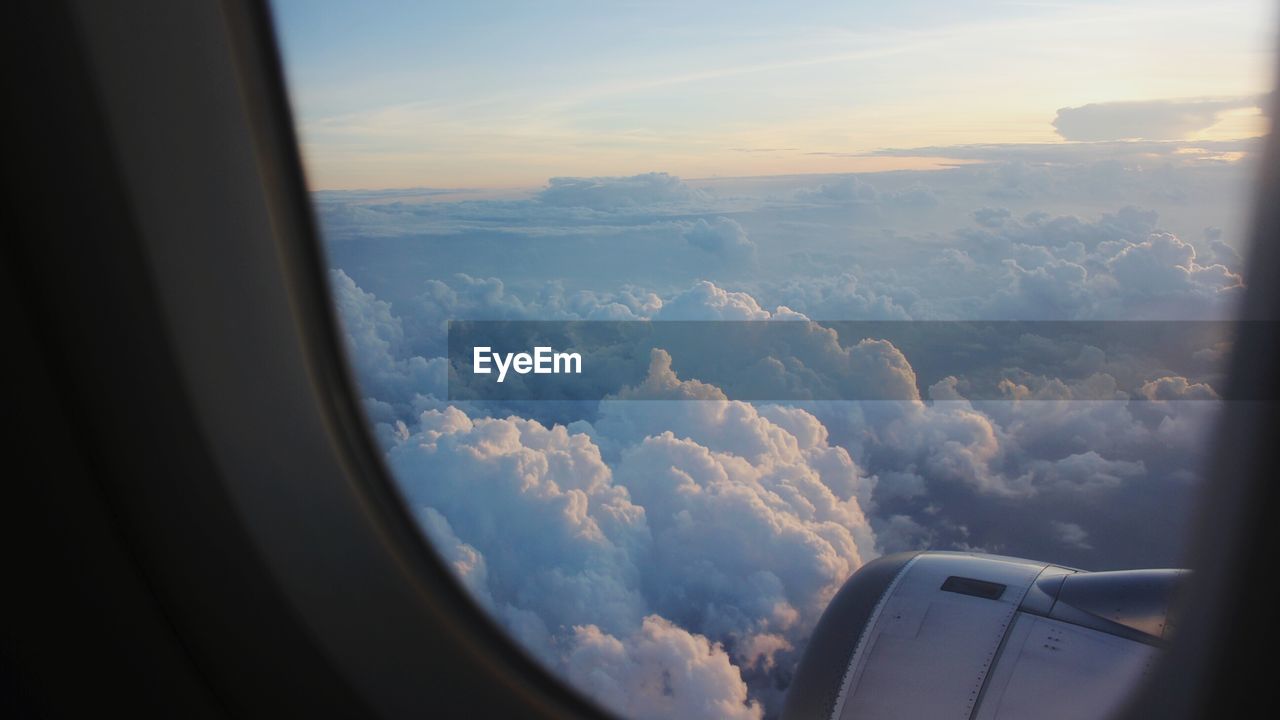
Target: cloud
{"points": [[1217, 252], [1005, 476], [660, 672], [1072, 535], [557, 536], [1120, 266], [378, 349], [672, 552], [855, 191], [463, 297], [723, 238], [846, 296], [991, 217], [827, 247], [728, 525], [661, 383], [993, 450], [614, 193], [700, 549], [669, 549], [1110, 149], [849, 190], [1164, 265], [808, 361], [1177, 388], [1144, 119], [706, 301]]}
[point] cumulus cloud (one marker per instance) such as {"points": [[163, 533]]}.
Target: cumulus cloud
{"points": [[539, 505], [673, 553], [1177, 388], [846, 296], [378, 349], [828, 247], [703, 546], [1144, 119], [1002, 474], [802, 360], [660, 672], [971, 447], [723, 238], [848, 190], [706, 301], [1165, 266], [1072, 535], [669, 549], [1217, 252], [612, 193], [1120, 266], [855, 191], [661, 383], [991, 217]]}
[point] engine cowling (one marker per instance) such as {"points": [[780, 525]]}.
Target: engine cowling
{"points": [[967, 635]]}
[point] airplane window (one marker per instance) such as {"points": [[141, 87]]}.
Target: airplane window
{"points": [[671, 318]]}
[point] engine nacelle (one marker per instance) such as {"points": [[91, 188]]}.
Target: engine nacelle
{"points": [[965, 635]]}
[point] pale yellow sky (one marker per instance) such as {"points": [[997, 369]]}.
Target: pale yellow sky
{"points": [[511, 100]]}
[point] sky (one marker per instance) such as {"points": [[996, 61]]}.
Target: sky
{"points": [[492, 95]]}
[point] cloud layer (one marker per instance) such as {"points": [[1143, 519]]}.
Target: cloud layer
{"points": [[1144, 119], [669, 550], [701, 552]]}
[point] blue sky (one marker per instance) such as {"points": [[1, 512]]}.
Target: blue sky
{"points": [[482, 94]]}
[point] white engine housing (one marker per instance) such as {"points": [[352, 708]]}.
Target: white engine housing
{"points": [[982, 637]]}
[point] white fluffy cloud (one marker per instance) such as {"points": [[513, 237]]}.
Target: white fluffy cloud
{"points": [[681, 527], [705, 301], [669, 549], [1119, 267], [378, 350], [1049, 220], [723, 238], [660, 672], [612, 193], [853, 191], [702, 551], [1002, 474]]}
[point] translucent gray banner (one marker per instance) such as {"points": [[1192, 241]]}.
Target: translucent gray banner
{"points": [[853, 360]]}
